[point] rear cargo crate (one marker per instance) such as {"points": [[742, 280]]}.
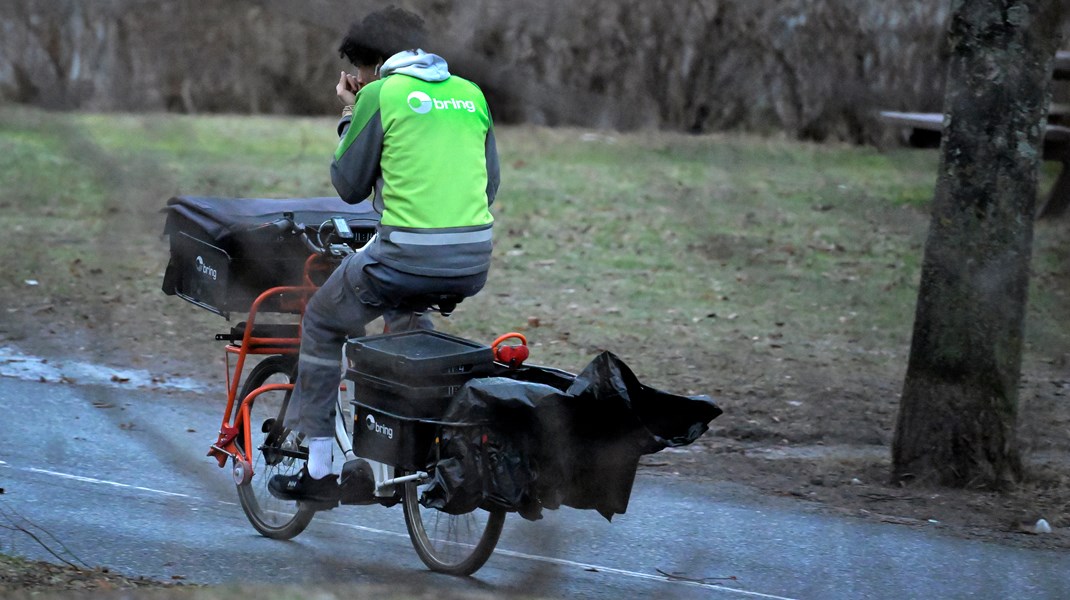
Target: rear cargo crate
{"points": [[392, 440], [402, 387], [419, 358], [396, 424]]}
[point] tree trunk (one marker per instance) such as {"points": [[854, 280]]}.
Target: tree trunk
{"points": [[957, 416]]}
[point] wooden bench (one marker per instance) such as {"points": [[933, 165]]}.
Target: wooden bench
{"points": [[927, 127]]}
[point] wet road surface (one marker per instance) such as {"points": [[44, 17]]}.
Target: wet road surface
{"points": [[120, 477]]}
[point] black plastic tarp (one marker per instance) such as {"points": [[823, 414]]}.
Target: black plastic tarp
{"points": [[222, 218], [542, 438], [226, 251]]}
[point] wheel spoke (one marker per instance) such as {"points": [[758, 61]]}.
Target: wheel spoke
{"points": [[273, 453], [453, 544]]}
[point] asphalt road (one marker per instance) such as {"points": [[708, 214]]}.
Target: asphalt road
{"points": [[117, 476]]}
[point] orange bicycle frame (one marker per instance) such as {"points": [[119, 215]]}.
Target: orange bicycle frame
{"points": [[236, 414]]}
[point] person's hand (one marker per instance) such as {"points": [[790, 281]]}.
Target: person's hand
{"points": [[347, 88]]}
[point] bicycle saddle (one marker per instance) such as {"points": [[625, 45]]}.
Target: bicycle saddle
{"points": [[440, 303]]}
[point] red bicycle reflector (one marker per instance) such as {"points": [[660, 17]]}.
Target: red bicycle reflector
{"points": [[512, 355]]}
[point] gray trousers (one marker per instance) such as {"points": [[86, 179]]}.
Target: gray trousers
{"points": [[360, 290]]}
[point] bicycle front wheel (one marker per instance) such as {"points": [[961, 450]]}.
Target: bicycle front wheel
{"points": [[271, 453], [451, 544]]}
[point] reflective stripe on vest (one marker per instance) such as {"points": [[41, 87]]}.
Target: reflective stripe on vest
{"points": [[440, 239]]}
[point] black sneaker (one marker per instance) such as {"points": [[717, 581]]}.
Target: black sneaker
{"points": [[321, 494], [357, 483]]}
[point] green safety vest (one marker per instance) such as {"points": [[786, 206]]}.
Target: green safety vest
{"points": [[428, 150]]}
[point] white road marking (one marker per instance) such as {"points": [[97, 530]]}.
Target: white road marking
{"points": [[584, 566], [93, 480], [636, 574], [500, 551], [364, 528]]}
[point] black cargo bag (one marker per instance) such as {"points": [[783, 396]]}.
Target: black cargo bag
{"points": [[225, 251], [537, 437]]}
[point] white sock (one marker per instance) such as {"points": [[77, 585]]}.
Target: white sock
{"points": [[320, 457]]}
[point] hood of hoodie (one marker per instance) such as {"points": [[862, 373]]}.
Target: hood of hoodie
{"points": [[418, 64]]}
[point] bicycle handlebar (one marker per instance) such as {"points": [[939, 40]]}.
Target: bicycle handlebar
{"points": [[287, 223]]}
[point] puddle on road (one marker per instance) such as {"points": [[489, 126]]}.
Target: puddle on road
{"points": [[33, 368]]}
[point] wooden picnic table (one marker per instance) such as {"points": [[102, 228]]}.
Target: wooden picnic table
{"points": [[927, 127]]}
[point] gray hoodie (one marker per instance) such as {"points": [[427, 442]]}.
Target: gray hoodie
{"points": [[418, 64]]}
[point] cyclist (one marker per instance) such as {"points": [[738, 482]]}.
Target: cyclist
{"points": [[422, 140]]}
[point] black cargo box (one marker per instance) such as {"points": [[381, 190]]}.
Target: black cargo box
{"points": [[402, 386], [396, 423], [393, 440], [224, 254], [419, 358]]}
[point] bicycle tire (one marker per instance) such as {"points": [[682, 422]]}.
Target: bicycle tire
{"points": [[456, 544], [270, 516]]}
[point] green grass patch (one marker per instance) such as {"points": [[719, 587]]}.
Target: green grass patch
{"points": [[687, 253], [711, 241]]}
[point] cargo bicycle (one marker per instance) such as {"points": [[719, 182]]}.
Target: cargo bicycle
{"points": [[254, 440], [459, 433], [263, 447]]}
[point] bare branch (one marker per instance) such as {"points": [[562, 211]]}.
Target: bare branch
{"points": [[14, 525]]}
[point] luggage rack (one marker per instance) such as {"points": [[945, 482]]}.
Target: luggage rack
{"points": [[270, 335]]}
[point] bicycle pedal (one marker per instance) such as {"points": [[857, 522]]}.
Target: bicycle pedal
{"points": [[357, 501], [357, 483], [388, 501], [316, 505]]}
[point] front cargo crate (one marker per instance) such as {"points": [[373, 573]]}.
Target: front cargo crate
{"points": [[224, 251]]}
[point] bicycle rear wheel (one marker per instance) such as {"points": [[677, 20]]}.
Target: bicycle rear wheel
{"points": [[451, 544], [272, 517]]}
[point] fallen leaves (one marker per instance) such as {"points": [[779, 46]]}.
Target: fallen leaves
{"points": [[35, 577]]}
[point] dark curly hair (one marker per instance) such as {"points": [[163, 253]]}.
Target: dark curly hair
{"points": [[381, 35]]}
